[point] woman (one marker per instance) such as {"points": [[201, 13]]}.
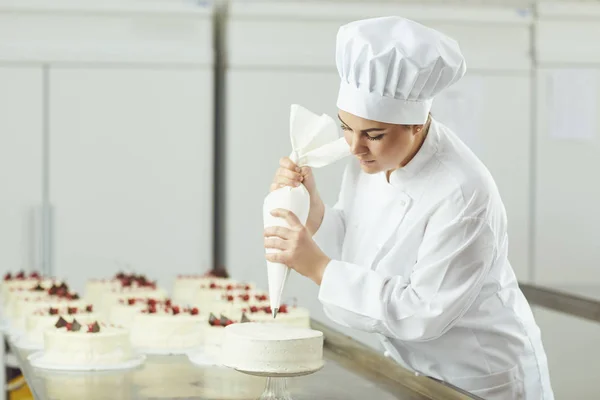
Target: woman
{"points": [[415, 250]]}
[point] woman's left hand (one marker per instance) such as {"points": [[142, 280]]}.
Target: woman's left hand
{"points": [[298, 249]]}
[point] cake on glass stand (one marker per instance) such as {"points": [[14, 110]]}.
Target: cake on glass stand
{"points": [[275, 351]]}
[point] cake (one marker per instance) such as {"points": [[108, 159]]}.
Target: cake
{"points": [[113, 298], [231, 303], [95, 289], [27, 302], [272, 348], [213, 335], [294, 316], [205, 290], [71, 343], [167, 327], [22, 281], [123, 313], [43, 319]]}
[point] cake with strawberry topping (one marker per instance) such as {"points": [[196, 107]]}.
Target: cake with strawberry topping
{"points": [[203, 290], [294, 316], [235, 304], [127, 308], [43, 319], [27, 302], [121, 284], [213, 334], [73, 343], [21, 281], [162, 327]]}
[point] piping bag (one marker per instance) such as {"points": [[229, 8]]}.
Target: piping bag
{"points": [[315, 144]]}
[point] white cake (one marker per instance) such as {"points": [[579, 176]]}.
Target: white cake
{"points": [[214, 334], [95, 289], [21, 281], [123, 313], [113, 298], [203, 291], [294, 316], [232, 303], [272, 348], [91, 345], [168, 328], [41, 320]]}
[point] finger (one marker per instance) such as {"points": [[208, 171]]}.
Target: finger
{"points": [[305, 171], [278, 231], [281, 257], [275, 243], [285, 162], [283, 172], [283, 181], [289, 216]]}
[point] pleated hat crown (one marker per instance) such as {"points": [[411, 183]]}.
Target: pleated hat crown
{"points": [[391, 68]]}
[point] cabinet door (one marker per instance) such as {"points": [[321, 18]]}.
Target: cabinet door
{"points": [[131, 178], [567, 190], [492, 115], [21, 159]]}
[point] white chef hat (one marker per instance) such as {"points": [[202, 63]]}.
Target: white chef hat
{"points": [[392, 67]]}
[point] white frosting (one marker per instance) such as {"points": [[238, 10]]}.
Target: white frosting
{"points": [[272, 348], [36, 325], [197, 291], [109, 346], [167, 331], [296, 316]]}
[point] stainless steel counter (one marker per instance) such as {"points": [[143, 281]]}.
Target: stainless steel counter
{"points": [[351, 372], [581, 301]]}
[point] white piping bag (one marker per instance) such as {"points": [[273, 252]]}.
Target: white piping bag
{"points": [[315, 143]]}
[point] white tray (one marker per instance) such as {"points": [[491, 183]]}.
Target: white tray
{"points": [[166, 352], [203, 359], [36, 360]]}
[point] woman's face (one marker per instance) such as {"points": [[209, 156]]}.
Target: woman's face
{"points": [[379, 146]]}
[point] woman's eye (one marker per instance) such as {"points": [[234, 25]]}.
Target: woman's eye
{"points": [[345, 128], [378, 137]]}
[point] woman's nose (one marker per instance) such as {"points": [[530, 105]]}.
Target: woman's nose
{"points": [[356, 147]]}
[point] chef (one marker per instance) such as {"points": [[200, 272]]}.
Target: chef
{"points": [[416, 248]]}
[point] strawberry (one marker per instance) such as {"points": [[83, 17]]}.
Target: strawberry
{"points": [[229, 298], [8, 276], [229, 322], [247, 287], [213, 285], [72, 310], [216, 322], [168, 303], [268, 310], [175, 310], [151, 302], [53, 311], [34, 275], [283, 308], [246, 297], [21, 275], [194, 311], [229, 287], [253, 309], [89, 308], [131, 301]]}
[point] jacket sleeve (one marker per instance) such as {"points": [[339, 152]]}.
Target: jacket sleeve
{"points": [[330, 235], [454, 258]]}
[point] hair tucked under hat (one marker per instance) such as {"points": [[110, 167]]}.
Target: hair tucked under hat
{"points": [[391, 68]]}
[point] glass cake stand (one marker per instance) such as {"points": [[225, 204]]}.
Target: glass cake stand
{"points": [[276, 386]]}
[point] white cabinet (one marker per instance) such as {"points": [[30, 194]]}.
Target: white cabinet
{"points": [[131, 170], [21, 160], [125, 108], [567, 141]]}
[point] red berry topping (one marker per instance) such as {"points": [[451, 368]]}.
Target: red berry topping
{"points": [[283, 308], [268, 310], [175, 310], [89, 308], [69, 326], [21, 275], [53, 311], [194, 311], [168, 303], [213, 285], [247, 287], [72, 310], [229, 298], [228, 323], [246, 297], [253, 309], [229, 287], [131, 301], [7, 277], [151, 302], [152, 310], [217, 322]]}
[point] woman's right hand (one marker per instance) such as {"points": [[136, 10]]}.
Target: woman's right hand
{"points": [[289, 174]]}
